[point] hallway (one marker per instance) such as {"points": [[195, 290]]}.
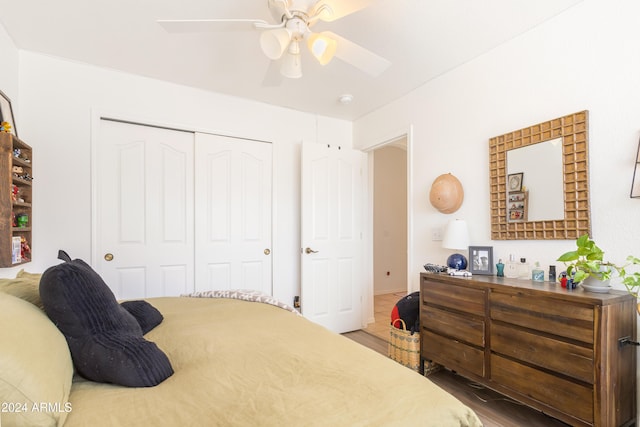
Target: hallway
{"points": [[382, 306]]}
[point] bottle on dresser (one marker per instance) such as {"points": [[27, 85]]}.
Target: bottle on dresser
{"points": [[524, 271], [511, 269]]}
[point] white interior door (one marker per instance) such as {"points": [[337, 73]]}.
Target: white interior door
{"points": [[332, 245], [233, 196], [144, 216]]}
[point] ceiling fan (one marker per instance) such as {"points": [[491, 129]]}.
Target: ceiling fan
{"points": [[281, 42]]}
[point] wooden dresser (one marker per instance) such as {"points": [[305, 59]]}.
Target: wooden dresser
{"points": [[555, 350]]}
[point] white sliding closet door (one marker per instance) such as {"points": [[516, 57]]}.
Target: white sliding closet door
{"points": [[144, 222], [233, 213]]}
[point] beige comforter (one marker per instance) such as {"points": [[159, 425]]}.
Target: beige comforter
{"points": [[241, 363]]}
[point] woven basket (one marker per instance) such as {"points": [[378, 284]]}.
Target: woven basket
{"points": [[404, 347]]}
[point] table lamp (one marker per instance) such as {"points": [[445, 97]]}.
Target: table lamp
{"points": [[456, 236]]}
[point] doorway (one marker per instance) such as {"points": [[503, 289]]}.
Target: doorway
{"points": [[389, 217]]}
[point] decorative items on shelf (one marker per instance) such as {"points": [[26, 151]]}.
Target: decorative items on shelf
{"points": [[15, 191], [25, 249], [16, 250], [16, 239], [518, 205], [22, 219], [7, 124]]}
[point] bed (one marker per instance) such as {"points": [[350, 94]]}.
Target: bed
{"points": [[235, 363]]}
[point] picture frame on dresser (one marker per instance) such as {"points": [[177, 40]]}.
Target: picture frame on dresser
{"points": [[6, 113], [481, 260]]}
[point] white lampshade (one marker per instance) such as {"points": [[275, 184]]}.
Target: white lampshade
{"points": [[456, 235], [322, 47], [275, 42], [292, 62]]}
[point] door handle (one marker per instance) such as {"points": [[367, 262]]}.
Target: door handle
{"points": [[310, 251], [108, 257], [267, 251]]}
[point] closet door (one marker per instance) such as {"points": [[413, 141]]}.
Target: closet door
{"points": [[233, 213], [144, 245]]}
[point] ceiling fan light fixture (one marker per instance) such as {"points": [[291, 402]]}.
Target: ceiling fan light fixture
{"points": [[322, 47], [275, 42], [292, 62]]}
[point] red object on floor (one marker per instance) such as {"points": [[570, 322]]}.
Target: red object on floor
{"points": [[407, 309]]}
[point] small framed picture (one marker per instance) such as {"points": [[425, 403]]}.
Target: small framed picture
{"points": [[514, 181], [6, 113], [481, 260]]}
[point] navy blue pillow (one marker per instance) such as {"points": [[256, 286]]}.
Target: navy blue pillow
{"points": [[105, 340]]}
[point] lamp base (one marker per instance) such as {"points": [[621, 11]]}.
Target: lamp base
{"points": [[457, 262]]}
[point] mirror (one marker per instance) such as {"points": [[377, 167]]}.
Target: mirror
{"points": [[539, 174], [539, 181]]}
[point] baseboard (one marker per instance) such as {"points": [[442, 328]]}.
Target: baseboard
{"points": [[390, 291]]}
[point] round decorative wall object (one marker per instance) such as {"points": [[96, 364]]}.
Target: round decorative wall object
{"points": [[446, 193]]}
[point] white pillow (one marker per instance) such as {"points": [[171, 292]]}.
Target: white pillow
{"points": [[35, 366]]}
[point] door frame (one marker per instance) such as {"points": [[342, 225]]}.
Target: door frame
{"points": [[406, 133], [100, 114]]}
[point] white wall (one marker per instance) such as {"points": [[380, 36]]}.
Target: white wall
{"points": [[389, 220], [586, 58], [9, 71], [59, 99]]}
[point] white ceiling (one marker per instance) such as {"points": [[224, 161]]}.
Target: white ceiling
{"points": [[421, 38]]}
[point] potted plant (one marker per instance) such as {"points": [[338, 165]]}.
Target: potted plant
{"points": [[587, 262]]}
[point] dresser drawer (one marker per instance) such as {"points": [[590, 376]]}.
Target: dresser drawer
{"points": [[458, 298], [452, 354], [552, 354], [571, 398], [461, 327], [566, 320]]}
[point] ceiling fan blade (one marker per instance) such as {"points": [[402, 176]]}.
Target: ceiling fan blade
{"points": [[358, 56], [205, 25], [341, 8], [273, 78]]}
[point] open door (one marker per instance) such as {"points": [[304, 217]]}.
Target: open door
{"points": [[332, 242]]}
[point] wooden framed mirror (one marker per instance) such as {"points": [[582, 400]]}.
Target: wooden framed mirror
{"points": [[564, 216]]}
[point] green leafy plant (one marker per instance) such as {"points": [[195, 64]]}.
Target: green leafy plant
{"points": [[588, 260], [631, 280]]}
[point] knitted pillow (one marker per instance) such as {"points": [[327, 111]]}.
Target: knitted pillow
{"points": [[148, 316], [105, 340]]}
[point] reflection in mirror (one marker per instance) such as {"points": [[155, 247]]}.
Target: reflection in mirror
{"points": [[541, 168]]}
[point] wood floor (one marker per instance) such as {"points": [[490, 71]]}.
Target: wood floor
{"points": [[494, 409]]}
